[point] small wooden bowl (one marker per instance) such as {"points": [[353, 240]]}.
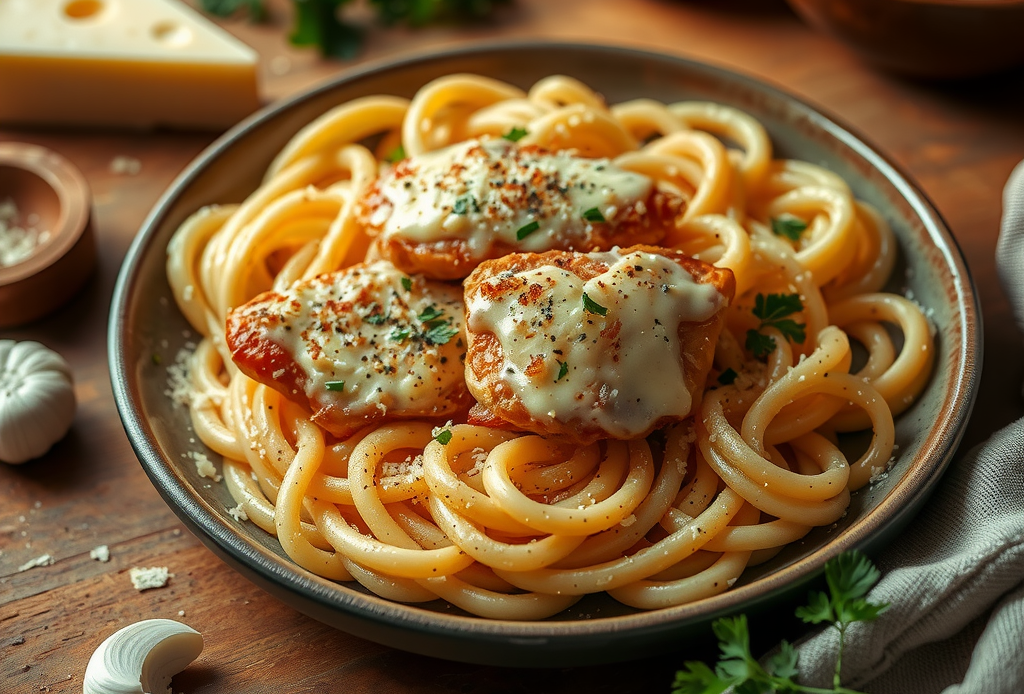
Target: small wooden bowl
{"points": [[925, 38], [45, 185]]}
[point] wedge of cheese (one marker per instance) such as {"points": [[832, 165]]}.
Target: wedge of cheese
{"points": [[136, 63]]}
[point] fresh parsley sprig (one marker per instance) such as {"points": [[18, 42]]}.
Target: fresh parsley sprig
{"points": [[320, 23], [773, 310], [849, 577]]}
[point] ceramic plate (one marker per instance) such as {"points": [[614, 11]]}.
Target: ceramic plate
{"points": [[145, 322]]}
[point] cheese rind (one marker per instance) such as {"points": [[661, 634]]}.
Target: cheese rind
{"points": [[137, 63]]}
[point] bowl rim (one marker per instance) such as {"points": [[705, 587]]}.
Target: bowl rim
{"points": [[73, 199], [894, 508]]}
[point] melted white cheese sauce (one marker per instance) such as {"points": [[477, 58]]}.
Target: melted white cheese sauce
{"points": [[621, 371], [378, 337], [479, 191]]}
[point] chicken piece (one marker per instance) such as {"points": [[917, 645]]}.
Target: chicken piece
{"points": [[444, 212], [359, 346], [583, 347]]}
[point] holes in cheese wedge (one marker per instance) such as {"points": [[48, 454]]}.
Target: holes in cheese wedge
{"points": [[83, 9], [171, 34]]}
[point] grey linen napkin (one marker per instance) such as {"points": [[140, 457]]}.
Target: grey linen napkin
{"points": [[955, 578]]}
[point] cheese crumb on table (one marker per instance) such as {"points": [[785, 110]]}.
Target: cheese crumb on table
{"points": [[44, 560], [144, 578], [101, 553], [129, 166]]}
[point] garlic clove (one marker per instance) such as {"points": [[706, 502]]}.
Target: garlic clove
{"points": [[141, 658], [37, 400]]}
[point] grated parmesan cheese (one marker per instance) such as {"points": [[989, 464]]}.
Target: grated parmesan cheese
{"points": [[101, 553], [179, 385], [17, 242], [402, 472], [238, 513], [204, 466]]}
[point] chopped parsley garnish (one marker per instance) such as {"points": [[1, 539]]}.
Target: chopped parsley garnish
{"points": [[439, 329], [563, 369], [527, 229], [440, 334], [443, 437], [407, 283], [772, 310], [399, 334], [591, 306], [727, 377], [593, 215], [431, 313], [788, 226], [516, 134], [336, 386], [396, 155], [376, 316], [462, 205]]}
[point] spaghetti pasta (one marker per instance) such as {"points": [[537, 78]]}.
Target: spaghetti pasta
{"points": [[514, 525]]}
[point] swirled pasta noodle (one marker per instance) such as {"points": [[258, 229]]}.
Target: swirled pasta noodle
{"points": [[416, 503]]}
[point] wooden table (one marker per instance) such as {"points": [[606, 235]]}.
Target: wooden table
{"points": [[959, 141]]}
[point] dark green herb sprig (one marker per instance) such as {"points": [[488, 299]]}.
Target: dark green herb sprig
{"points": [[849, 577], [319, 22], [727, 377], [772, 310]]}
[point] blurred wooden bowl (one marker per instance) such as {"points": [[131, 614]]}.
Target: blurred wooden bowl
{"points": [[925, 38], [50, 192]]}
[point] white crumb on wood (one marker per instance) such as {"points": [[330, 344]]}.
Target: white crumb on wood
{"points": [[144, 578], [44, 560]]}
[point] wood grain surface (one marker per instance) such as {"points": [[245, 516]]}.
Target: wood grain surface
{"points": [[958, 141]]}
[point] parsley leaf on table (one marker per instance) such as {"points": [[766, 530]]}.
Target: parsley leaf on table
{"points": [[849, 577]]}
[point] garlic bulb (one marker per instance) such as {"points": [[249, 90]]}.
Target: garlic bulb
{"points": [[37, 400], [141, 658]]}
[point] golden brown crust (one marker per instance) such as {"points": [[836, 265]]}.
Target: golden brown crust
{"points": [[646, 222], [253, 335], [498, 403]]}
